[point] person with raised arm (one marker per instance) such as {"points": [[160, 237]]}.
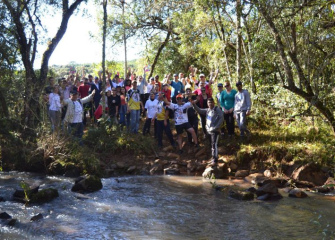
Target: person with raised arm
{"points": [[74, 113], [214, 119], [177, 86], [181, 120]]}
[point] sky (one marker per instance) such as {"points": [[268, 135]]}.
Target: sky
{"points": [[78, 46]]}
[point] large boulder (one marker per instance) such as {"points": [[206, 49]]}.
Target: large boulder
{"points": [[310, 173], [5, 215], [23, 196], [88, 183], [44, 195]]}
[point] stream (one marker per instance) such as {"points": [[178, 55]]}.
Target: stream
{"points": [[161, 207]]}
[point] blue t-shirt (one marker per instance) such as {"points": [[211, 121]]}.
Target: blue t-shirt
{"points": [[178, 88], [227, 100]]}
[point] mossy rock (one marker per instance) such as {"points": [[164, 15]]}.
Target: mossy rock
{"points": [[88, 183], [44, 196]]}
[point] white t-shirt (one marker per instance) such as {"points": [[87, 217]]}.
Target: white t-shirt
{"points": [[54, 101], [78, 110], [180, 116], [149, 88], [152, 107]]}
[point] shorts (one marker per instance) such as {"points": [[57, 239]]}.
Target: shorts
{"points": [[181, 127]]}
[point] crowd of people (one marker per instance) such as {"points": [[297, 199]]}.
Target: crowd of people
{"points": [[180, 98]]}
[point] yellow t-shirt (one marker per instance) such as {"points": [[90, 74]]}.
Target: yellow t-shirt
{"points": [[160, 111], [134, 100]]}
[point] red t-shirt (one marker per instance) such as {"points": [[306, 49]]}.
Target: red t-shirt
{"points": [[208, 91], [159, 86], [167, 94], [83, 90]]}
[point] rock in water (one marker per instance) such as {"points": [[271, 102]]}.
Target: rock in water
{"points": [[171, 171], [20, 195], [44, 196], [267, 188], [5, 215], [88, 183], [297, 193], [36, 217], [11, 222], [239, 195]]}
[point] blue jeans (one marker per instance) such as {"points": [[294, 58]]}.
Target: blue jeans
{"points": [[123, 112], [241, 119], [134, 120], [160, 127]]}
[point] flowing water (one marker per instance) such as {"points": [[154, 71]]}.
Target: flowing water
{"points": [[161, 207]]}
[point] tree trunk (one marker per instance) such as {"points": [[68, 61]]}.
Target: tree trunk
{"points": [[239, 40], [249, 56], [160, 49], [104, 4], [4, 108]]}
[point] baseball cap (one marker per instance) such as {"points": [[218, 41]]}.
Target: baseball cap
{"points": [[220, 85], [179, 95], [201, 75], [175, 75], [238, 83]]}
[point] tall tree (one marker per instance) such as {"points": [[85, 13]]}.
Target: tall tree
{"points": [[26, 16], [298, 35]]}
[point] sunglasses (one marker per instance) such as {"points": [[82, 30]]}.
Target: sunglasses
{"points": [[179, 98]]}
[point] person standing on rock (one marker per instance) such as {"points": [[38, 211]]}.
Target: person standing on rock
{"points": [[162, 121], [181, 120], [214, 119], [242, 108]]}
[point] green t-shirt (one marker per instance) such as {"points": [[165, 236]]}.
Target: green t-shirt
{"points": [[227, 100]]}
